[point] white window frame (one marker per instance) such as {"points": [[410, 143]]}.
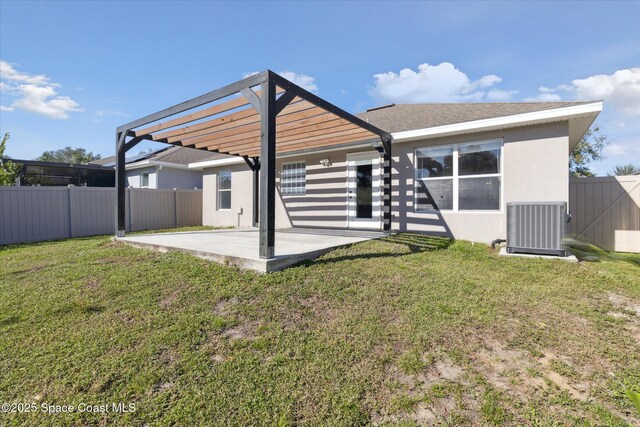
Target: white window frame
{"points": [[456, 178], [219, 190], [142, 180], [297, 193]]}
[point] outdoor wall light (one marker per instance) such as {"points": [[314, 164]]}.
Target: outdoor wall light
{"points": [[325, 162]]}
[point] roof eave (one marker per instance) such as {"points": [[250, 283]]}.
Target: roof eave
{"points": [[591, 109]]}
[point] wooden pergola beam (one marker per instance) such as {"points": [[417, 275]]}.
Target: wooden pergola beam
{"points": [[206, 140], [236, 146], [282, 136], [284, 123], [225, 122]]}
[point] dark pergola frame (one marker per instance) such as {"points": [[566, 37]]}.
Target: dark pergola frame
{"points": [[311, 123]]}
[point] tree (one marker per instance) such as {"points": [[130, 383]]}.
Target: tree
{"points": [[69, 155], [628, 169], [587, 150], [8, 169]]}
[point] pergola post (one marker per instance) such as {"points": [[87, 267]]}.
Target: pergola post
{"points": [[267, 183], [256, 193], [120, 187], [386, 189]]}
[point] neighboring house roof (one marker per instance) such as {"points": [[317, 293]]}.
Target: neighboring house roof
{"points": [[404, 117], [176, 156]]}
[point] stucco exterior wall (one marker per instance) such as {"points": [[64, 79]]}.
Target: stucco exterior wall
{"points": [[535, 168], [134, 180], [179, 178], [240, 214]]}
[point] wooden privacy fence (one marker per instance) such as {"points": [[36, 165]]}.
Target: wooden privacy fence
{"points": [[33, 214], [606, 211]]}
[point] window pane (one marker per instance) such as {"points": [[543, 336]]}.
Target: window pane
{"points": [[224, 200], [434, 162], [479, 159], [479, 193], [224, 180], [293, 178], [434, 194], [145, 179], [364, 191]]}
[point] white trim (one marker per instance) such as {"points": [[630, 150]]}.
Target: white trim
{"points": [[535, 117], [217, 162], [149, 162], [374, 159], [239, 160]]}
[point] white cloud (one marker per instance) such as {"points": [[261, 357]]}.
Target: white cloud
{"points": [[620, 90], [436, 83], [545, 97], [499, 95], [620, 149], [36, 94], [304, 81]]}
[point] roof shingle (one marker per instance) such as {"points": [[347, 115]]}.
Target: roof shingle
{"points": [[403, 117]]}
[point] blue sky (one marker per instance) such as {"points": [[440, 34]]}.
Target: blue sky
{"points": [[74, 71]]}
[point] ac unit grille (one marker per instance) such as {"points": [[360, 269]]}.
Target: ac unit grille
{"points": [[536, 227]]}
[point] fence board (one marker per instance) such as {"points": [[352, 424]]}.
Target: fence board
{"points": [[606, 211], [32, 214]]}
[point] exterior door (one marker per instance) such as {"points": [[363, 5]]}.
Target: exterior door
{"points": [[363, 191]]}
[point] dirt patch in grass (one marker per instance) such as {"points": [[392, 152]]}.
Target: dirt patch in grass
{"points": [[430, 393], [244, 331], [224, 305], [170, 299], [622, 302], [93, 283], [523, 375]]}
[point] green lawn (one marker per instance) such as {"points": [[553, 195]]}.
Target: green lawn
{"points": [[405, 330]]}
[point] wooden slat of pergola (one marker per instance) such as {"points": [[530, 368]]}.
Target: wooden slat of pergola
{"points": [[233, 120], [239, 128], [254, 136], [251, 139]]}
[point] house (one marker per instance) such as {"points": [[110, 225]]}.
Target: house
{"points": [[454, 169], [164, 168], [39, 173]]}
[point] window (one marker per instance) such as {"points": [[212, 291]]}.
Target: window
{"points": [[479, 177], [224, 190], [434, 179], [461, 177], [144, 179], [293, 178]]}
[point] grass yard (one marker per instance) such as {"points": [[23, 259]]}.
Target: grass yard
{"points": [[405, 330]]}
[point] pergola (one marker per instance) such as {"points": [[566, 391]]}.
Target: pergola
{"points": [[277, 117]]}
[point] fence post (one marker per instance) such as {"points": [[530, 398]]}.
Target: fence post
{"points": [[175, 208], [71, 192], [129, 210]]}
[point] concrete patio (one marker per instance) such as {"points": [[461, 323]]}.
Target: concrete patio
{"points": [[240, 247]]}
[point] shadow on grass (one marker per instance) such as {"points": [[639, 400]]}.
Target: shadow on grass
{"points": [[416, 243], [585, 251]]}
